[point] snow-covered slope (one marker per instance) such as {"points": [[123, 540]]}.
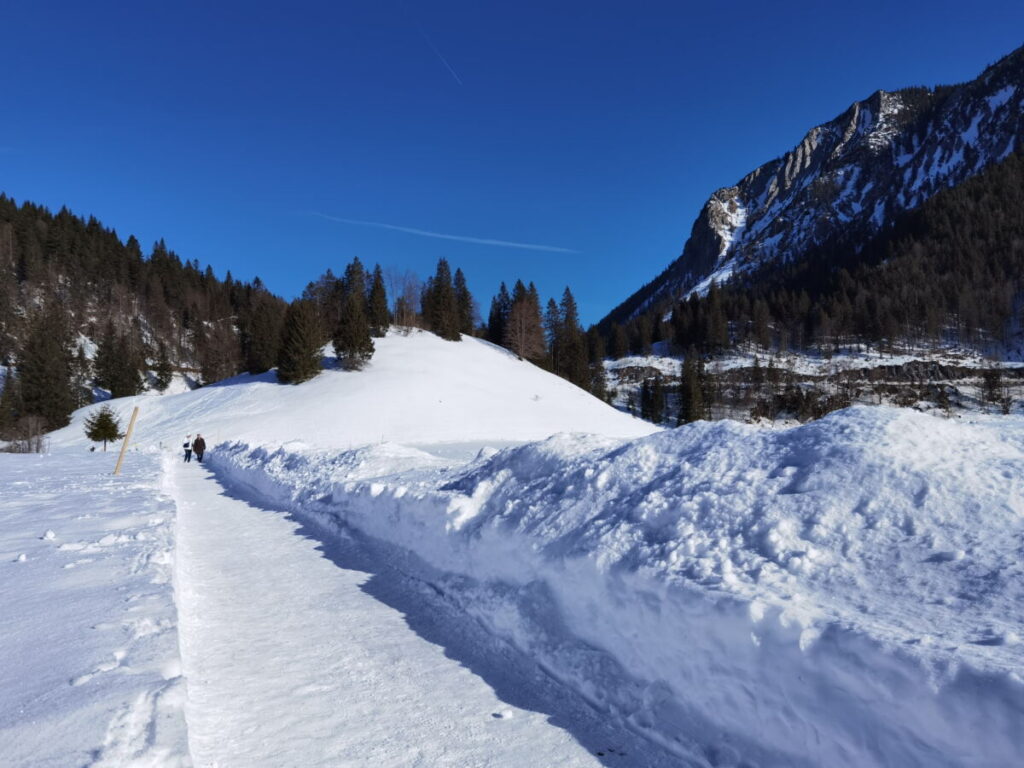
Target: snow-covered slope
{"points": [[845, 593], [418, 389], [883, 155]]}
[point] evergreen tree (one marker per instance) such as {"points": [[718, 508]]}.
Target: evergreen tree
{"points": [[377, 305], [103, 426], [497, 320], [163, 373], [10, 405], [463, 304], [299, 354], [44, 375], [81, 372], [260, 332], [439, 307], [574, 364], [352, 343], [691, 390]]}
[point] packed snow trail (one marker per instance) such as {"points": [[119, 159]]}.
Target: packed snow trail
{"points": [[299, 653]]}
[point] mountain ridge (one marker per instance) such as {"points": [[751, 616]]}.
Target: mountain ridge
{"points": [[882, 156]]}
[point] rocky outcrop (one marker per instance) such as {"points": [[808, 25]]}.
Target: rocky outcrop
{"points": [[850, 176]]}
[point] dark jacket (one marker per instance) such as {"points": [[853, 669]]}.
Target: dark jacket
{"points": [[199, 445]]}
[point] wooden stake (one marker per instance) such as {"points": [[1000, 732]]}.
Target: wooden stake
{"points": [[127, 437]]}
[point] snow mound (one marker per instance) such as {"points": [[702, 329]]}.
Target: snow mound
{"points": [[845, 592], [417, 389]]}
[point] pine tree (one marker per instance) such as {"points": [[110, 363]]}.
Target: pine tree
{"points": [[352, 343], [691, 390], [44, 375], [463, 304], [81, 371], [299, 355], [377, 305], [439, 307], [497, 320], [103, 426], [10, 405], [163, 372], [575, 366]]}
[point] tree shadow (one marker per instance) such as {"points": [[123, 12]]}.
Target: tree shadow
{"points": [[515, 678]]}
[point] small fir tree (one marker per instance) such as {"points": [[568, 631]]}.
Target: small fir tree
{"points": [[103, 426]]}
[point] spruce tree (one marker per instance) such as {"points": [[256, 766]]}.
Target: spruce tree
{"points": [[691, 391], [10, 406], [299, 354], [163, 372], [352, 343], [44, 375], [103, 426], [463, 304], [497, 320], [575, 357], [377, 305], [442, 313]]}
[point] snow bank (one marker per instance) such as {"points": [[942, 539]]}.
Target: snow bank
{"points": [[846, 592], [416, 389]]}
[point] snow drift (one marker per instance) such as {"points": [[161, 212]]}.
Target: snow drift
{"points": [[846, 592]]}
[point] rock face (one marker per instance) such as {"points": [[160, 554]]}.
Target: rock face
{"points": [[882, 156]]}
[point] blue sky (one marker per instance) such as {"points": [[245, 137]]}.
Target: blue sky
{"points": [[253, 136]]}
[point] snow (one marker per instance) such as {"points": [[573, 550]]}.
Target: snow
{"points": [[455, 558], [342, 660], [90, 672], [771, 596], [417, 389], [1000, 97]]}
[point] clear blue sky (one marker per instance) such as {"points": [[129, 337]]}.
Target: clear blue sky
{"points": [[233, 130]]}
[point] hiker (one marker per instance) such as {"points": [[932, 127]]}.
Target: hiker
{"points": [[199, 446], [188, 448]]}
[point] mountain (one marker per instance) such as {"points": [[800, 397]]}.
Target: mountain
{"points": [[849, 177]]}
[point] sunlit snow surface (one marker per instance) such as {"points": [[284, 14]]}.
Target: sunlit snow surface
{"points": [[843, 593]]}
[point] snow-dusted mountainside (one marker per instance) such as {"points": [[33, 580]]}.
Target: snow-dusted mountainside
{"points": [[849, 176]]}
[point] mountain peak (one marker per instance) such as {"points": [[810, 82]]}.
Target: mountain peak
{"points": [[849, 176]]}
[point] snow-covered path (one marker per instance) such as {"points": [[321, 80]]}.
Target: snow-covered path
{"points": [[300, 653]]}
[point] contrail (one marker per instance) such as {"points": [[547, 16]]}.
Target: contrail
{"points": [[438, 54], [442, 236], [426, 38]]}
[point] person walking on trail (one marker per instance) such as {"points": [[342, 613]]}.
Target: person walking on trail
{"points": [[199, 446], [188, 448]]}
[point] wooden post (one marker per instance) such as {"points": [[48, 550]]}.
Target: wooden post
{"points": [[127, 437]]}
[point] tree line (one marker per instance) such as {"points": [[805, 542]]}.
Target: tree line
{"points": [[950, 270]]}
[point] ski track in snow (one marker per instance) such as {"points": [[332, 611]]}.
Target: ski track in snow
{"points": [[304, 653]]}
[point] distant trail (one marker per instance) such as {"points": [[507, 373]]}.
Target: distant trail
{"points": [[293, 659]]}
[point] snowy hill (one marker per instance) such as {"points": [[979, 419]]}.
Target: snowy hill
{"points": [[418, 389]]}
